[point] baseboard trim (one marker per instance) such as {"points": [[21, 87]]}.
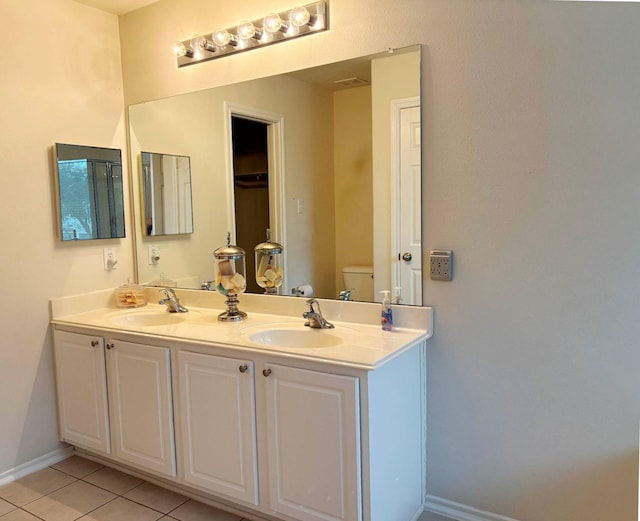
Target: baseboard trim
{"points": [[35, 464], [460, 512]]}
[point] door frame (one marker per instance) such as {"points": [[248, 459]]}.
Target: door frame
{"points": [[275, 153]]}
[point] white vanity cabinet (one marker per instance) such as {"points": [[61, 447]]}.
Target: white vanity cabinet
{"points": [[81, 381], [217, 405], [313, 439], [311, 435], [140, 405], [279, 435], [136, 427]]}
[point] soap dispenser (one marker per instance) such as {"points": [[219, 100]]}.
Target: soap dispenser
{"points": [[386, 316]]}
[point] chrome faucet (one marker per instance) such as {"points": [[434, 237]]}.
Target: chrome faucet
{"points": [[172, 302], [314, 316], [345, 294]]}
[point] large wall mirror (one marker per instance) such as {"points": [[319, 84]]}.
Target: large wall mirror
{"points": [[89, 195], [328, 158]]}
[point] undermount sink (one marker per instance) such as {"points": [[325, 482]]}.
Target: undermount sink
{"points": [[147, 318], [304, 337]]}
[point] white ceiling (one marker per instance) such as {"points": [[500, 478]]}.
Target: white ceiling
{"points": [[116, 6]]}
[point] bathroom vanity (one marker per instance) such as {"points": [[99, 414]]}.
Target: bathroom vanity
{"points": [[266, 417]]}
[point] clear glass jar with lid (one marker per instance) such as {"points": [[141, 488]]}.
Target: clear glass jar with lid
{"points": [[130, 295], [231, 279], [269, 272]]}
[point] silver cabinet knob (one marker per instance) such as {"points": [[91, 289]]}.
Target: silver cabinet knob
{"points": [[243, 368], [407, 256], [94, 343], [266, 372]]}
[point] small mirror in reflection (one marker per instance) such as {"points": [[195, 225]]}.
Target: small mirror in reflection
{"points": [[89, 192], [166, 194]]}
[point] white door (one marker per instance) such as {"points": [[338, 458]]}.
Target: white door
{"points": [[313, 444], [176, 194], [81, 386], [170, 196], [408, 215], [217, 407], [140, 405]]}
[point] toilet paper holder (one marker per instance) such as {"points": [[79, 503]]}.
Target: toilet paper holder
{"points": [[302, 291]]}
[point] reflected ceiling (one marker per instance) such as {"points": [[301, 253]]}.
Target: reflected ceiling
{"points": [[117, 6]]}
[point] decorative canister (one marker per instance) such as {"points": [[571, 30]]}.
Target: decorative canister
{"points": [[230, 279], [130, 295], [269, 273]]}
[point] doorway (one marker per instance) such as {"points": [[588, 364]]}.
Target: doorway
{"points": [[254, 127], [249, 139]]}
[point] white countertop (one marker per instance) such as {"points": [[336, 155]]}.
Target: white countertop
{"points": [[363, 345]]}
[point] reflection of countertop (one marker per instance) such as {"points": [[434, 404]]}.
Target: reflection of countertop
{"points": [[364, 345]]}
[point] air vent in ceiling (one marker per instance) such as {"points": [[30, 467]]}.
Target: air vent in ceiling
{"points": [[351, 82]]}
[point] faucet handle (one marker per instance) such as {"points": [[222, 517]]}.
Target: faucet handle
{"points": [[308, 314], [168, 293]]}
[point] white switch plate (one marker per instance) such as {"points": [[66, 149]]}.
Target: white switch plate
{"points": [[300, 205], [153, 254], [110, 261]]}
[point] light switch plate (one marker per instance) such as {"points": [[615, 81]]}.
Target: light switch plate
{"points": [[153, 254], [109, 257]]}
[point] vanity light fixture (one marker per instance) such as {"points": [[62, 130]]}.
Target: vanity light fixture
{"points": [[251, 34]]}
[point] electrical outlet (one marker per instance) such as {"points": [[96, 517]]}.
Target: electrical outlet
{"points": [[154, 257], [441, 264]]}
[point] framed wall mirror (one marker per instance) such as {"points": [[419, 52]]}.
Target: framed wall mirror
{"points": [[337, 158], [166, 194], [89, 192]]}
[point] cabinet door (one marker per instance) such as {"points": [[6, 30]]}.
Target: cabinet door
{"points": [[217, 405], [81, 390], [140, 405], [314, 444]]}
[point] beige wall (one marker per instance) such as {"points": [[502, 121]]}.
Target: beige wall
{"points": [[61, 82], [353, 179], [530, 173]]}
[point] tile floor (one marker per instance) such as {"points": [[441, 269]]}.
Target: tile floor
{"points": [[83, 490], [80, 489]]}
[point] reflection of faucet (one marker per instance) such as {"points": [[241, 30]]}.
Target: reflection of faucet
{"points": [[172, 302], [345, 294], [207, 285], [314, 316]]}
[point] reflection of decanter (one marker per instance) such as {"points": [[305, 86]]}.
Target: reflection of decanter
{"points": [[230, 278], [269, 273]]}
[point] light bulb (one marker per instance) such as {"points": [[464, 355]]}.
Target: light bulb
{"points": [[246, 30], [272, 23], [299, 16], [222, 37], [179, 49], [197, 44]]}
